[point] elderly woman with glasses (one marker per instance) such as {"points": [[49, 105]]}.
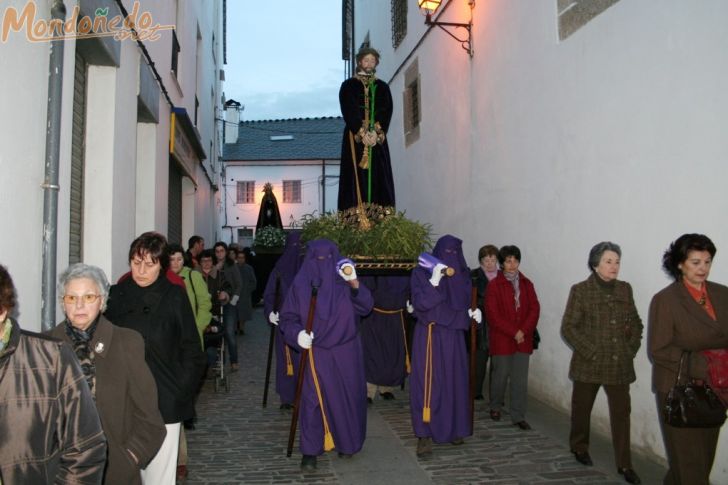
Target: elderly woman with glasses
{"points": [[112, 360]]}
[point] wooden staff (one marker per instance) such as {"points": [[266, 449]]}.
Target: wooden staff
{"points": [[301, 371], [473, 338], [276, 306]]}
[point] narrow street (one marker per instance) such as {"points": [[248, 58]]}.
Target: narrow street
{"points": [[237, 441]]}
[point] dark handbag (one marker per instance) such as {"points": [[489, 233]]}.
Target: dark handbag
{"points": [[536, 338], [693, 404]]}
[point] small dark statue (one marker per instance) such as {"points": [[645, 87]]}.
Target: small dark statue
{"points": [[269, 214]]}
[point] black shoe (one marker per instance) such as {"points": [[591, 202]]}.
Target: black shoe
{"points": [[479, 397], [457, 441], [285, 406], [387, 396], [424, 446], [495, 415], [308, 462], [370, 400], [345, 455], [583, 458], [629, 475], [523, 425]]}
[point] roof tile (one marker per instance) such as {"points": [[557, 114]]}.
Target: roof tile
{"points": [[312, 139]]}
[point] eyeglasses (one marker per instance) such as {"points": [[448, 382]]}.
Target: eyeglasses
{"points": [[87, 299]]}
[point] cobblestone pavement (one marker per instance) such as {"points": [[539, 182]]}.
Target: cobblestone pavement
{"points": [[236, 440]]}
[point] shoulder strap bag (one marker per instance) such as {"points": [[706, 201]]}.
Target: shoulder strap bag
{"points": [[693, 404]]}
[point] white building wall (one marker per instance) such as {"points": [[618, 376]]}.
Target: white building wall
{"points": [[312, 194], [126, 162], [23, 97], [615, 134]]}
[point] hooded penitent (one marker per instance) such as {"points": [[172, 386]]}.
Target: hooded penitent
{"points": [[333, 404]]}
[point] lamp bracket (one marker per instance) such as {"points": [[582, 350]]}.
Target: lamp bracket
{"points": [[466, 44]]}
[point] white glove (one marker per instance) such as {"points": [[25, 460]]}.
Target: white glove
{"points": [[410, 308], [476, 315], [437, 274], [305, 340], [347, 277], [274, 318], [234, 300]]}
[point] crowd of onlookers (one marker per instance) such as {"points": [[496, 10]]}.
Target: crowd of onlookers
{"points": [[112, 404], [106, 395], [687, 342], [499, 305]]}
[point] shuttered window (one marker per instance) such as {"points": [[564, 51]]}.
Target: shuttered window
{"points": [[78, 138], [292, 191], [174, 215], [246, 192]]}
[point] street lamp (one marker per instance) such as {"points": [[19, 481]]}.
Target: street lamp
{"points": [[430, 7]]}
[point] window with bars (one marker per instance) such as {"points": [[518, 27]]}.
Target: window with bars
{"points": [[246, 192], [291, 191], [412, 107], [175, 54], [399, 21]]}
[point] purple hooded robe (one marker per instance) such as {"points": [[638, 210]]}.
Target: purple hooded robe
{"points": [[284, 271], [336, 350], [447, 306], [382, 336]]}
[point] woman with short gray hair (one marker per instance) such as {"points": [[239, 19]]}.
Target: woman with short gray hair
{"points": [[603, 328], [81, 270], [112, 360]]}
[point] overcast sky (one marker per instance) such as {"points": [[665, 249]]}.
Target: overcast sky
{"points": [[284, 58]]}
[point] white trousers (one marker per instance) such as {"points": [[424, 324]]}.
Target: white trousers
{"points": [[162, 470]]}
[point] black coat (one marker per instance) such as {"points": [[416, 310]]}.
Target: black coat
{"points": [[351, 99], [480, 280], [162, 314]]}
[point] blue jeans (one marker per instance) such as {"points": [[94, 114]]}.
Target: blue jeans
{"points": [[230, 321]]}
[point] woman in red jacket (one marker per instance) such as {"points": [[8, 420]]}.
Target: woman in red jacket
{"points": [[512, 311]]}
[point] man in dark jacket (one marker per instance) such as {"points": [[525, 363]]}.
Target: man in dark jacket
{"points": [[56, 403], [160, 311]]}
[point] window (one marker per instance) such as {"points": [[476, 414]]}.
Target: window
{"points": [[347, 35], [245, 237], [574, 14], [291, 191], [175, 53], [399, 21], [246, 192], [197, 108], [411, 104]]}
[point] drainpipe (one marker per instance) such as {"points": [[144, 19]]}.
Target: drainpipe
{"points": [[50, 184], [323, 186]]}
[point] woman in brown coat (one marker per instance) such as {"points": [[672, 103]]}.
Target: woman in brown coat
{"points": [[112, 359], [602, 326], [690, 315]]}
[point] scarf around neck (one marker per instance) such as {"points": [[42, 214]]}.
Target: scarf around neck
{"points": [[5, 328], [513, 278], [81, 340]]}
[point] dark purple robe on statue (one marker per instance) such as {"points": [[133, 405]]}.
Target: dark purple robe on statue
{"points": [[382, 333], [447, 306], [336, 350], [284, 271], [351, 99]]}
